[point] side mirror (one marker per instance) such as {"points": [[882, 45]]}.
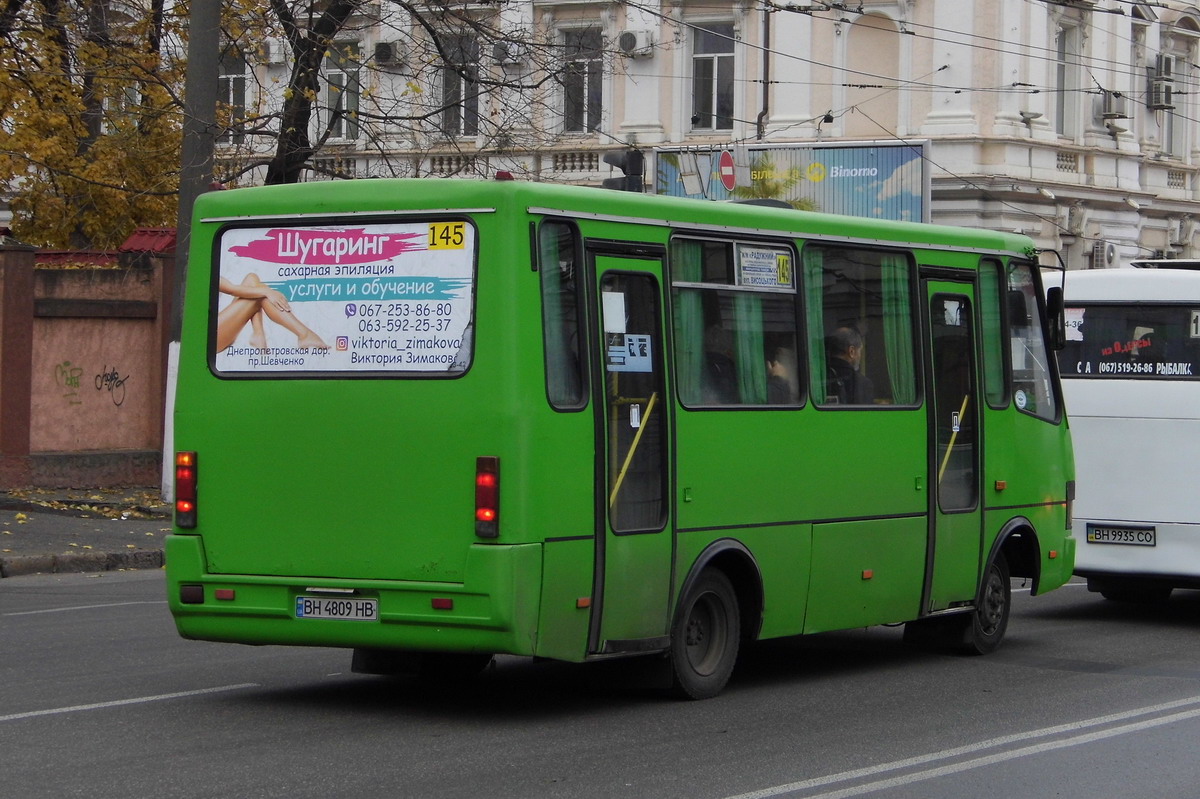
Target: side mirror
{"points": [[1056, 317], [1018, 311]]}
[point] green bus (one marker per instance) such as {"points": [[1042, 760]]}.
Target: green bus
{"points": [[433, 421]]}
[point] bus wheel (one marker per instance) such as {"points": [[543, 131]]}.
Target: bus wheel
{"points": [[705, 637], [990, 619], [976, 633]]}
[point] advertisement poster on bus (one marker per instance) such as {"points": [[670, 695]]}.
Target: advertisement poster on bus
{"points": [[387, 297], [883, 180]]}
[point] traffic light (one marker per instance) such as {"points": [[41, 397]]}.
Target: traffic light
{"points": [[632, 163]]}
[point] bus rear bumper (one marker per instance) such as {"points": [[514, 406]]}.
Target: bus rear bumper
{"points": [[1173, 552], [491, 611]]}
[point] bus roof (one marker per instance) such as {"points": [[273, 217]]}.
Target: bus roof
{"points": [[387, 195], [1165, 263], [1131, 285]]}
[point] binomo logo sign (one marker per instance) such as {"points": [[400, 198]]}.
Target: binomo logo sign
{"points": [[854, 172], [818, 172]]}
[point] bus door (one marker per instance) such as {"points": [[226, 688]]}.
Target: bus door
{"points": [[634, 545], [953, 558]]}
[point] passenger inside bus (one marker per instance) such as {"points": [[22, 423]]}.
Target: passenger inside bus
{"points": [[783, 386], [720, 371], [846, 381]]}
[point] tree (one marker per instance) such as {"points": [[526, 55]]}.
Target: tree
{"points": [[92, 111], [89, 138]]}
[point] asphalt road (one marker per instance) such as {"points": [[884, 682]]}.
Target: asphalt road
{"points": [[100, 698]]}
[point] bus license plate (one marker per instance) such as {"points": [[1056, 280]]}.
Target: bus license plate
{"points": [[1107, 534], [320, 607]]}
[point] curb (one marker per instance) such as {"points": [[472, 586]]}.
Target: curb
{"points": [[20, 565]]}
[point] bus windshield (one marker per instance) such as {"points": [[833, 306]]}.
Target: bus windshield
{"points": [[1134, 340]]}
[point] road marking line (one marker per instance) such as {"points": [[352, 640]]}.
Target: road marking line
{"points": [[83, 607], [1004, 740], [121, 702]]}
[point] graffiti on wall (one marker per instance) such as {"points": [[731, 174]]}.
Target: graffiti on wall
{"points": [[110, 380], [66, 376]]}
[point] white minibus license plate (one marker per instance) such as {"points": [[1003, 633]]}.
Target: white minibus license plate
{"points": [[1111, 534], [321, 607]]}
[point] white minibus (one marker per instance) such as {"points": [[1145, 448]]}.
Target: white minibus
{"points": [[1131, 383]]}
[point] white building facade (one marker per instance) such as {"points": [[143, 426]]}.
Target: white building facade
{"points": [[1072, 121]]}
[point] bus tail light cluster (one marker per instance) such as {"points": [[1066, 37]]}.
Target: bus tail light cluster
{"points": [[1070, 504], [185, 489], [487, 497]]}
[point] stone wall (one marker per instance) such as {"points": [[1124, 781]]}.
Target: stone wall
{"points": [[82, 372]]}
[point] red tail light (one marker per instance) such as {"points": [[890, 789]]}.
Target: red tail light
{"points": [[185, 489], [487, 497]]}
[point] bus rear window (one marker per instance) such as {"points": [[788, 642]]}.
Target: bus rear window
{"points": [[392, 297], [1132, 341]]}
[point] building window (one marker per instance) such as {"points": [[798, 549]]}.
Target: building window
{"points": [[1176, 121], [582, 80], [712, 77], [460, 86], [343, 89], [231, 93], [1066, 82]]}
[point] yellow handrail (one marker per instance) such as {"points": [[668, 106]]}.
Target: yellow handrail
{"points": [[962, 413], [632, 449]]}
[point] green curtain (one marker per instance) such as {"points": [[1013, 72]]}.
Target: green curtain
{"points": [[897, 329], [748, 349], [689, 321], [814, 295], [990, 306]]}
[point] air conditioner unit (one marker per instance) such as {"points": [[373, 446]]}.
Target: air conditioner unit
{"points": [[1104, 255], [1161, 96], [1164, 67], [508, 53], [636, 43], [272, 51], [1114, 106], [389, 54]]}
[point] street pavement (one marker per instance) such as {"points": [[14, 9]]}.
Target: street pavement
{"points": [[89, 530]]}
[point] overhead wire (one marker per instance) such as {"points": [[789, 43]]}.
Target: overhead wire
{"points": [[1086, 63]]}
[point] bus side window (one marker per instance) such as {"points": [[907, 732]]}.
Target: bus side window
{"points": [[559, 261], [992, 295], [1032, 383], [860, 326], [734, 309]]}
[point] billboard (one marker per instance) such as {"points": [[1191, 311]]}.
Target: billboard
{"points": [[885, 180], [377, 297]]}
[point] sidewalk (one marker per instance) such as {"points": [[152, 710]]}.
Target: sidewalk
{"points": [[82, 530]]}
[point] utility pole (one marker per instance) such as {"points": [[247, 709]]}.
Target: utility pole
{"points": [[195, 176], [199, 135]]}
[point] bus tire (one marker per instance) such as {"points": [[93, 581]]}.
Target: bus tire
{"points": [[705, 637], [990, 620], [976, 633]]}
